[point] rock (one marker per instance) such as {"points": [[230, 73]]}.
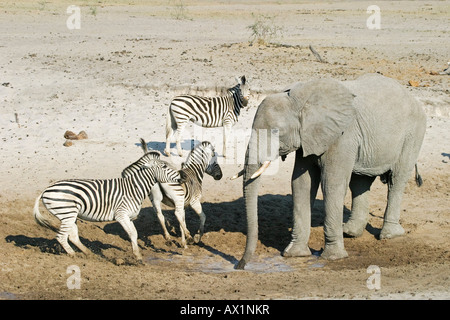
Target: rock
{"points": [[119, 261], [70, 135], [82, 135], [413, 83]]}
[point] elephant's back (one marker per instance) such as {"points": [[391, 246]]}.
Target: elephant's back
{"points": [[380, 96], [387, 115]]}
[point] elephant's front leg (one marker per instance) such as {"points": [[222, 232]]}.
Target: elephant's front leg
{"points": [[336, 172], [305, 182]]}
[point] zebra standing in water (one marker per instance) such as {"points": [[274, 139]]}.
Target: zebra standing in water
{"points": [[200, 160], [222, 111], [101, 200]]}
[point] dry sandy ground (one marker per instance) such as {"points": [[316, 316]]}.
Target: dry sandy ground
{"points": [[114, 78]]}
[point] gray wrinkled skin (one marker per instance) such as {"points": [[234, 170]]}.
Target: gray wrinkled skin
{"points": [[345, 134]]}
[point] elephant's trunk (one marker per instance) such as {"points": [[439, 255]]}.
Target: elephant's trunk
{"points": [[251, 188]]}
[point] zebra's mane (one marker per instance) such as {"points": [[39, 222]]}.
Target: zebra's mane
{"points": [[135, 166], [234, 89], [198, 154]]}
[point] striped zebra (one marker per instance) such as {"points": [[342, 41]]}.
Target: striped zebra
{"points": [[201, 159], [221, 111], [101, 200]]}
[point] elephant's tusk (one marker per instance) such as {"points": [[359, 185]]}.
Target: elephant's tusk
{"points": [[260, 170], [237, 175]]}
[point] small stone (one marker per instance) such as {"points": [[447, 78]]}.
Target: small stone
{"points": [[413, 83], [70, 135], [82, 135]]}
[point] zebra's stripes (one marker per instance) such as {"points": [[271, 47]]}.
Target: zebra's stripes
{"points": [[202, 158], [209, 112], [100, 200], [174, 186], [179, 195]]}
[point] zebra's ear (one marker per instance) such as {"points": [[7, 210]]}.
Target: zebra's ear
{"points": [[241, 80], [144, 145]]}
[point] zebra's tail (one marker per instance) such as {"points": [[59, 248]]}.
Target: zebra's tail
{"points": [[40, 219], [171, 124]]}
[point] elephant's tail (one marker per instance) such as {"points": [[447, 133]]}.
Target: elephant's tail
{"points": [[419, 180]]}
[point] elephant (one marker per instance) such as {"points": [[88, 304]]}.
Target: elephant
{"points": [[344, 134]]}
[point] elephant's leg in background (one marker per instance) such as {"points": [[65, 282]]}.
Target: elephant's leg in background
{"points": [[305, 182], [360, 187]]}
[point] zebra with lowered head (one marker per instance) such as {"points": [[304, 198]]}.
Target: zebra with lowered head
{"points": [[101, 200], [210, 112], [202, 159]]}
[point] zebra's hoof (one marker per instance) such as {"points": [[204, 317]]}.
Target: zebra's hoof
{"points": [[197, 238]]}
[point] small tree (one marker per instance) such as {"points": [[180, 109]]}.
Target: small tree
{"points": [[264, 29]]}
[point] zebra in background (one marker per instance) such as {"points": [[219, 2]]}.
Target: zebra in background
{"points": [[221, 111], [201, 159], [101, 200]]}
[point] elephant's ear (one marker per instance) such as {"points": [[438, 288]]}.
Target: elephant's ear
{"points": [[327, 111]]}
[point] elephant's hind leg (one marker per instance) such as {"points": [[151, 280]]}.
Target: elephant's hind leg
{"points": [[360, 187], [397, 181], [391, 225]]}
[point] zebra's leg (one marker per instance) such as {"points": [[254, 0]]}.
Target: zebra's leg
{"points": [[156, 197], [169, 134], [130, 229], [75, 239], [180, 129], [63, 234], [180, 214], [197, 207]]}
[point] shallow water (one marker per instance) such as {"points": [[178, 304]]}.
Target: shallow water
{"points": [[215, 264], [4, 295]]}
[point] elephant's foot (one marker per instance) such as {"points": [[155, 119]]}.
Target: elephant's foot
{"points": [[334, 251], [391, 230], [296, 250], [354, 228]]}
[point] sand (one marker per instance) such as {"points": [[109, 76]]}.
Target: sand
{"points": [[114, 78]]}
